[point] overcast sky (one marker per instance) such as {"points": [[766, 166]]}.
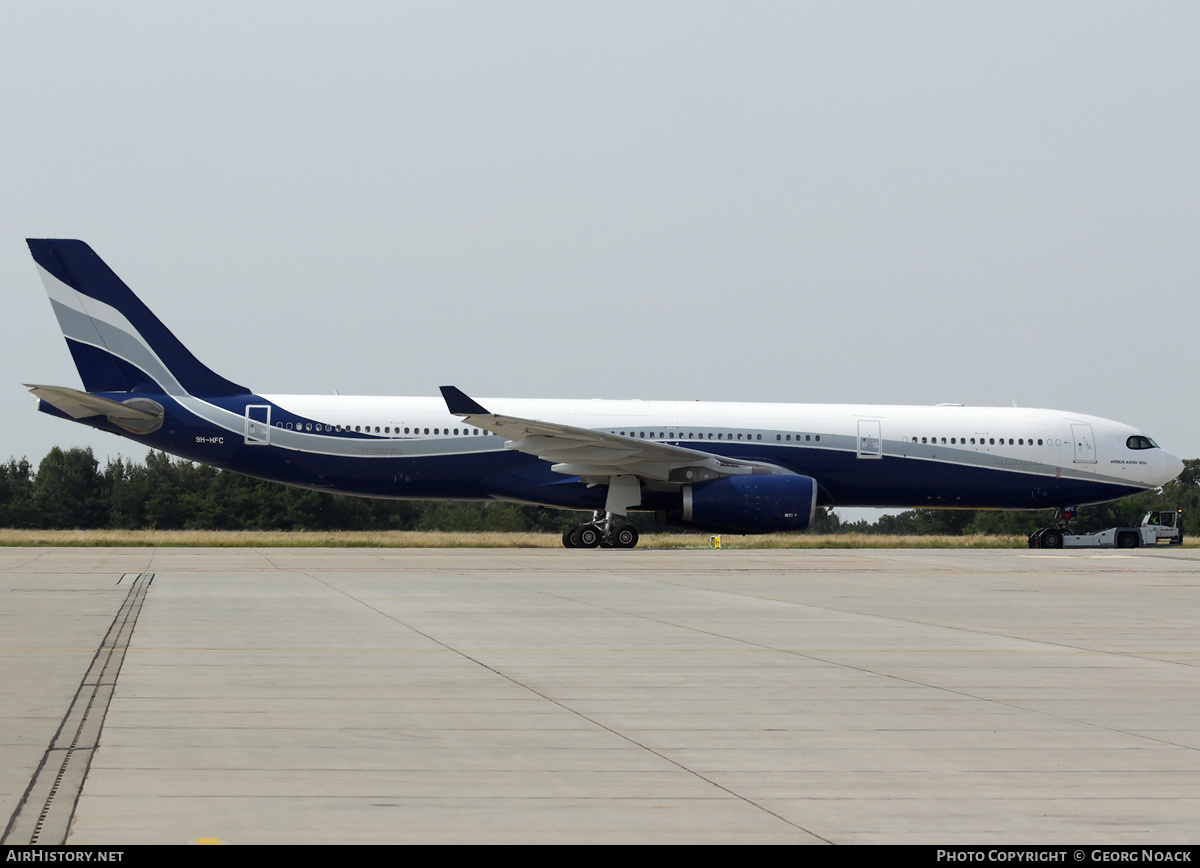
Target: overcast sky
{"points": [[983, 203]]}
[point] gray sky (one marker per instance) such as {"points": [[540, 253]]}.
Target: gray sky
{"points": [[982, 203]]}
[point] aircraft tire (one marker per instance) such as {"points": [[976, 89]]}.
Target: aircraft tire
{"points": [[587, 536], [568, 543], [1050, 539], [625, 537]]}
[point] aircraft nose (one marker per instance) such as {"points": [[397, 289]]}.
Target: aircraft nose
{"points": [[1172, 467]]}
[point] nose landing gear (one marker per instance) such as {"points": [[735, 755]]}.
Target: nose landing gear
{"points": [[1052, 537]]}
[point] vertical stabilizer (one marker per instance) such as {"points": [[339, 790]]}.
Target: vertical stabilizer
{"points": [[117, 343]]}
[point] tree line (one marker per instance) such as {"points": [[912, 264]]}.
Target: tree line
{"points": [[69, 489]]}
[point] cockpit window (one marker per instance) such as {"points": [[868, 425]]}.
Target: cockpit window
{"points": [[1137, 441]]}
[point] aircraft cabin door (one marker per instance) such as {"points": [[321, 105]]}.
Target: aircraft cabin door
{"points": [[870, 442], [258, 424], [1085, 444]]}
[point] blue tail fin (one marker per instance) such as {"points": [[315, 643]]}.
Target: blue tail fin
{"points": [[117, 343]]}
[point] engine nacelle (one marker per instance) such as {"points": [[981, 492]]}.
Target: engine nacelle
{"points": [[752, 502]]}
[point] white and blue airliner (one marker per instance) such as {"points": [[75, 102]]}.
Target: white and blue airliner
{"points": [[742, 468]]}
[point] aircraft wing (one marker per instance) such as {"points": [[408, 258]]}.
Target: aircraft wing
{"points": [[597, 454]]}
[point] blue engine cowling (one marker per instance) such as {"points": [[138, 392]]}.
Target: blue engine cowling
{"points": [[752, 503]]}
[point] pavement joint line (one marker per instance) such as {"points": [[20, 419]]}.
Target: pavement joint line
{"points": [[567, 707], [44, 814]]}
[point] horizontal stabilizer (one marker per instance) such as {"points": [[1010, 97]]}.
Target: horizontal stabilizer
{"points": [[80, 405]]}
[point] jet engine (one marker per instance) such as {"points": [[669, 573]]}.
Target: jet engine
{"points": [[751, 503]]}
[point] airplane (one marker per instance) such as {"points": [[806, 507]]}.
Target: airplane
{"points": [[718, 467]]}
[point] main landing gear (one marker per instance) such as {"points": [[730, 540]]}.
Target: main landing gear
{"points": [[604, 530]]}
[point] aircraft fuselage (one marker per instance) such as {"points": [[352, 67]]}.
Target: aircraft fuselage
{"points": [[862, 455]]}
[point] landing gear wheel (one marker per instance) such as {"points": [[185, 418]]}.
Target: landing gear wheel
{"points": [[587, 536], [1051, 539], [625, 537], [567, 538]]}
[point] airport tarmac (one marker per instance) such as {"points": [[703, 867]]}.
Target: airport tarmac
{"points": [[733, 696]]}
